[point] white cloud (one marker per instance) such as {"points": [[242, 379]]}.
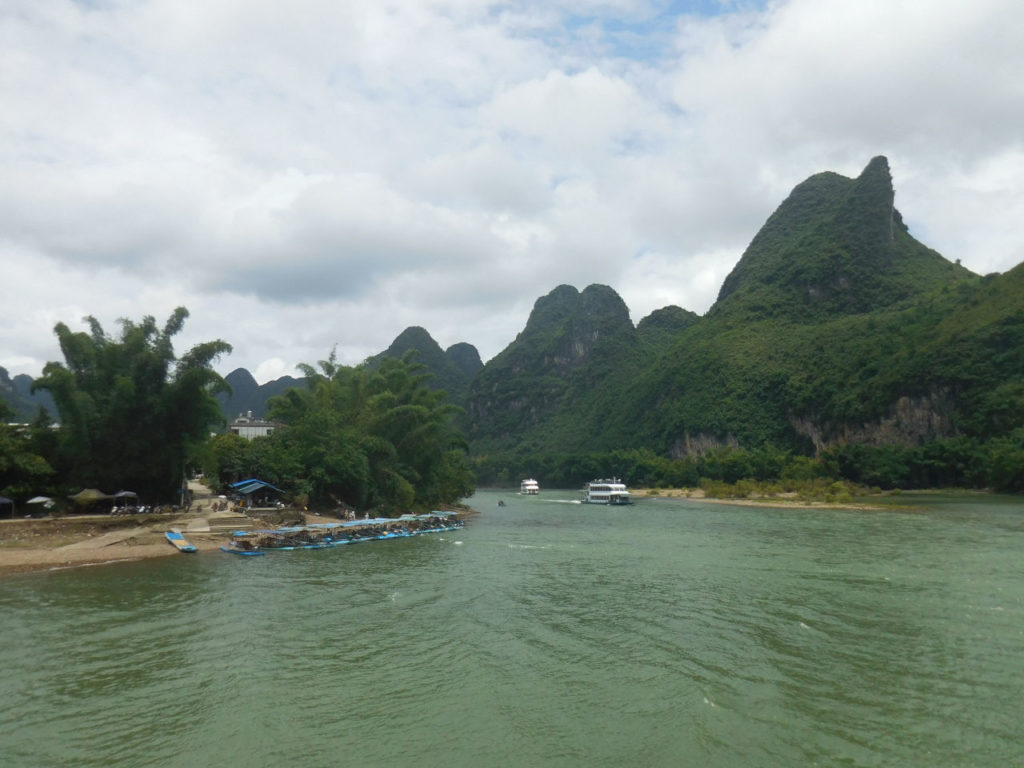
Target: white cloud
{"points": [[330, 174]]}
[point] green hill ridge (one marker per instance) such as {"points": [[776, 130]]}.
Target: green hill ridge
{"points": [[836, 333]]}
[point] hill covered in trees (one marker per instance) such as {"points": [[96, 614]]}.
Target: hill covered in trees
{"points": [[837, 335], [839, 346]]}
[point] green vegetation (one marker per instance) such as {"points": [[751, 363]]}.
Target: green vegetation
{"points": [[371, 436], [132, 413], [451, 370], [22, 469], [837, 336], [840, 350], [960, 462]]}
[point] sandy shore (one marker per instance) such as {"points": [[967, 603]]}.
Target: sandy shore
{"points": [[781, 501], [50, 544], [47, 544], [23, 560], [71, 542]]}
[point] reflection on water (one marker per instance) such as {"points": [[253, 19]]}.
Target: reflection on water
{"points": [[543, 633]]}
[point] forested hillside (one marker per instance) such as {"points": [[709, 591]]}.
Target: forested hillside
{"points": [[837, 337], [836, 329], [451, 370]]}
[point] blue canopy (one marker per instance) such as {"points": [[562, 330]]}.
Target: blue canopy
{"points": [[247, 487]]}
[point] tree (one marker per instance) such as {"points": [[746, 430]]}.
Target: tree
{"points": [[22, 470], [373, 437], [131, 412]]}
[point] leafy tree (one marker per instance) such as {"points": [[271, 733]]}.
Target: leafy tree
{"points": [[132, 412], [22, 470], [372, 437]]}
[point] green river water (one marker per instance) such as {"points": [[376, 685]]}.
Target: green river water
{"points": [[545, 633]]}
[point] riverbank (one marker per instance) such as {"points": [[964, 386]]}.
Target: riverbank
{"points": [[70, 542], [50, 544], [775, 500]]}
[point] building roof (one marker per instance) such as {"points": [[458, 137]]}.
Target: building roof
{"points": [[247, 487]]}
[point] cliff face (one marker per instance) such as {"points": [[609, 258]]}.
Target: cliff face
{"points": [[911, 421]]}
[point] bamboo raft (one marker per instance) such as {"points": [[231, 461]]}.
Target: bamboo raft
{"points": [[325, 535]]}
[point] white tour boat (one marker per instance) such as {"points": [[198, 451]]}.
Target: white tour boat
{"points": [[611, 491], [529, 487]]}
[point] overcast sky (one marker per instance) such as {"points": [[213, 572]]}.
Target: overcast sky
{"points": [[317, 173]]}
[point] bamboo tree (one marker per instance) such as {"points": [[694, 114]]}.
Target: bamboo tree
{"points": [[131, 412]]}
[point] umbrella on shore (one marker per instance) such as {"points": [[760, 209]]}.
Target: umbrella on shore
{"points": [[125, 498], [89, 495], [46, 501]]}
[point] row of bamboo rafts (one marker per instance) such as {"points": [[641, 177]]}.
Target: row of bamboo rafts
{"points": [[335, 534]]}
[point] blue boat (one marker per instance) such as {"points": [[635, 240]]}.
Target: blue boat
{"points": [[243, 552], [179, 542], [325, 535]]}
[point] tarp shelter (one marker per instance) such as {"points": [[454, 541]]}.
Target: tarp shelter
{"points": [[89, 496], [125, 498], [6, 507], [256, 492]]}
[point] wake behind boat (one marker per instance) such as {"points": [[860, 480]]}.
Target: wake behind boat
{"points": [[612, 492]]}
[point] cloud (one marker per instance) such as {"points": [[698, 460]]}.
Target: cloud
{"points": [[330, 174]]}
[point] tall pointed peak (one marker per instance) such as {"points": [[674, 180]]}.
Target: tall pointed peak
{"points": [[835, 245]]}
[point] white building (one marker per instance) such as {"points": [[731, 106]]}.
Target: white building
{"points": [[248, 427]]}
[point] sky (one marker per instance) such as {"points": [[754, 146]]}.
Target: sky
{"points": [[321, 175]]}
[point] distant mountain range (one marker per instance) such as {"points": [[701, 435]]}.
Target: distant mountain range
{"points": [[835, 326], [17, 394]]}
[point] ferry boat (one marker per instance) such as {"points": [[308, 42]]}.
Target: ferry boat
{"points": [[612, 491], [529, 487]]}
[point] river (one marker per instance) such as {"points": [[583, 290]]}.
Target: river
{"points": [[544, 633]]}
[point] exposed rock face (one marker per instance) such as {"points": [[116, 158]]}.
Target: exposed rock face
{"points": [[700, 444], [911, 421]]}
